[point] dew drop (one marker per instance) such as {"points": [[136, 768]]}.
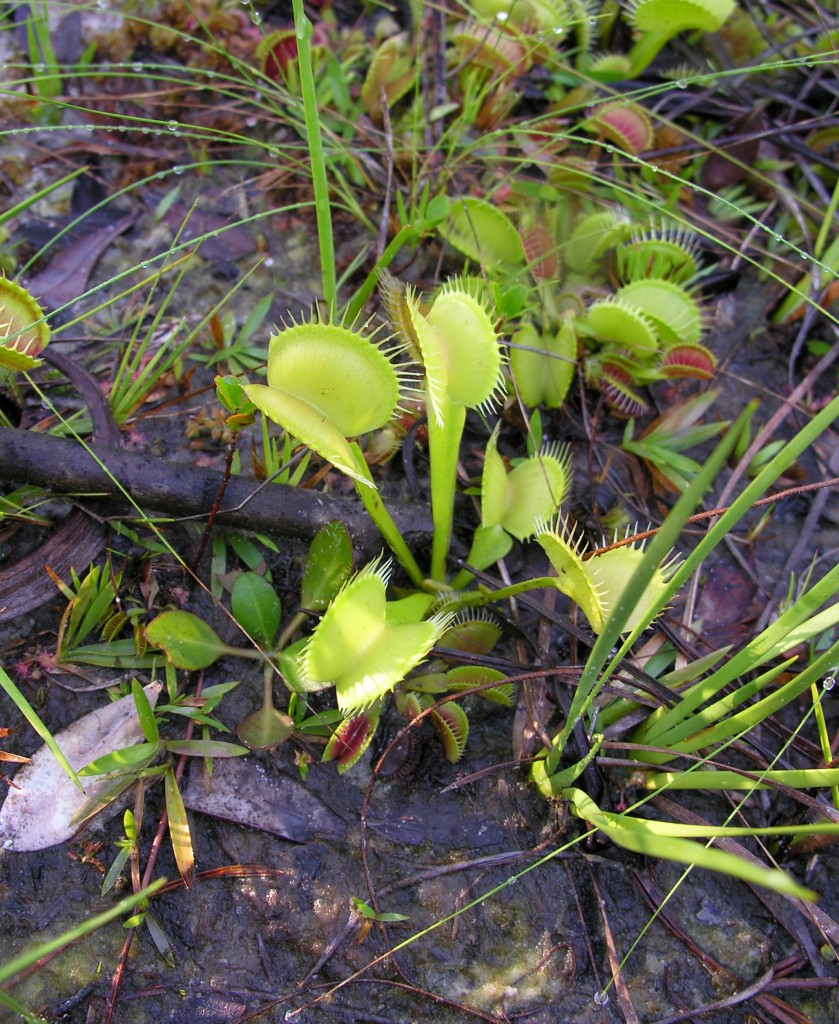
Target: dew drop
{"points": [[829, 682], [256, 18], [601, 998], [803, 255], [144, 265], [681, 84], [178, 169], [512, 880], [173, 126], [39, 69], [137, 67]]}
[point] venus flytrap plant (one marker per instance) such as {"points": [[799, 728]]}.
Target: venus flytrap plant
{"points": [[360, 649], [543, 363], [328, 383], [24, 331], [658, 21], [514, 503], [462, 359], [596, 580], [364, 646], [603, 323]]}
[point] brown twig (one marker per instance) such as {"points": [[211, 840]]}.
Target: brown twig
{"points": [[699, 517]]}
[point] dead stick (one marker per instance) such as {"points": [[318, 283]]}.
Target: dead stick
{"points": [[183, 491]]}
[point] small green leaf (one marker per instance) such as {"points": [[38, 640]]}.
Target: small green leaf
{"points": [[138, 755], [159, 938], [205, 748], [145, 712], [115, 870], [266, 728], [363, 908], [367, 911], [187, 641], [328, 566], [436, 210], [179, 830], [256, 607], [230, 393]]}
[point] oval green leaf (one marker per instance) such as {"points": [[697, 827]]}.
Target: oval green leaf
{"points": [[187, 641], [256, 607], [328, 566]]}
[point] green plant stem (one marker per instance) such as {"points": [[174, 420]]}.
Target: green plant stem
{"points": [[482, 596], [827, 222], [645, 51], [443, 452], [407, 235], [824, 737], [320, 184], [371, 499], [299, 620]]}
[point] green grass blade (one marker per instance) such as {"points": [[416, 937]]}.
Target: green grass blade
{"points": [[31, 716], [792, 778], [320, 184], [792, 627], [666, 841], [27, 959], [656, 554]]}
